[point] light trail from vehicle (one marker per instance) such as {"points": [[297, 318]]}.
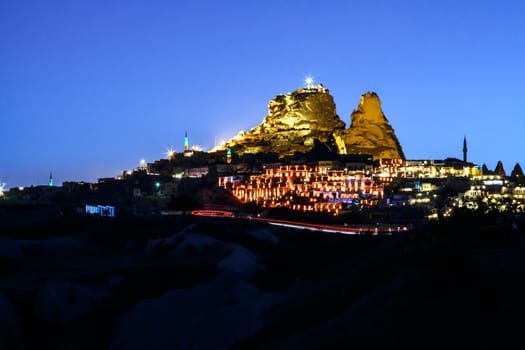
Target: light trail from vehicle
{"points": [[347, 229]]}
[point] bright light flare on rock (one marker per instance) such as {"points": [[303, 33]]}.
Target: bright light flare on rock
{"points": [[309, 80], [170, 153]]}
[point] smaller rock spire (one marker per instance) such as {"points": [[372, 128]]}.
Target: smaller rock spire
{"points": [[499, 169], [517, 173]]}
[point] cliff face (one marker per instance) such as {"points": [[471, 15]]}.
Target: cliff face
{"points": [[297, 119], [293, 122], [370, 132]]}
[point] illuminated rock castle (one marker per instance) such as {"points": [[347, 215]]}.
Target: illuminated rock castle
{"points": [[296, 120]]}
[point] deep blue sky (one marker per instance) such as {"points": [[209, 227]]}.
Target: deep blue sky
{"points": [[88, 88]]}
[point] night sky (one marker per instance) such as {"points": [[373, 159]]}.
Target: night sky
{"points": [[89, 88]]}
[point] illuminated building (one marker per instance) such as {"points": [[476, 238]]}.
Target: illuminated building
{"points": [[426, 168], [100, 210], [493, 192], [229, 155], [50, 183], [306, 188], [519, 198], [197, 172], [330, 186]]}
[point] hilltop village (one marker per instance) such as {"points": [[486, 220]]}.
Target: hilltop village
{"points": [[301, 159]]}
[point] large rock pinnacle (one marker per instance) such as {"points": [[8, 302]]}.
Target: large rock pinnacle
{"points": [[293, 122], [370, 132]]}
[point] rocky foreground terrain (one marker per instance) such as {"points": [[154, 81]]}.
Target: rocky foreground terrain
{"points": [[187, 283]]}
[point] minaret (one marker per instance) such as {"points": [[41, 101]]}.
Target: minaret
{"points": [[50, 179], [186, 144], [465, 149]]}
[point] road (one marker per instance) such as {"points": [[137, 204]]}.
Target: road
{"points": [[347, 229]]}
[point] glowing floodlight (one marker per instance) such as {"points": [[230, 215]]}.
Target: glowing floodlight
{"points": [[309, 80], [170, 153]]}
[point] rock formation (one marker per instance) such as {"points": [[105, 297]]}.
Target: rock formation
{"points": [[517, 173], [370, 132], [293, 122], [499, 169], [296, 120]]}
